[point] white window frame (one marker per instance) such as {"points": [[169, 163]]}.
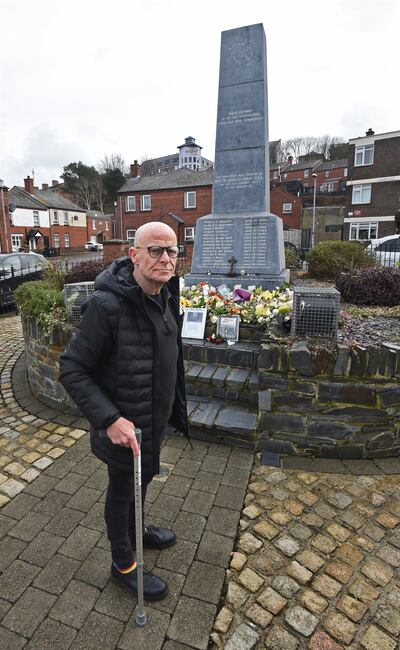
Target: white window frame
{"points": [[306, 173], [130, 235], [66, 222], [16, 241], [36, 221], [55, 217], [327, 174], [94, 227], [361, 194], [287, 208], [56, 240], [190, 232], [275, 175], [364, 155], [188, 204], [145, 202], [354, 232], [106, 225], [67, 241], [129, 202]]}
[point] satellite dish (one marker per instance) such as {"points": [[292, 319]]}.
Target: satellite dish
{"points": [[12, 207]]}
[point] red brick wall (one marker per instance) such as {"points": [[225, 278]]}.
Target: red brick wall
{"points": [[5, 215], [278, 197], [162, 203], [100, 229], [335, 176], [77, 236]]}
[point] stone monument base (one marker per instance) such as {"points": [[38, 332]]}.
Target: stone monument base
{"points": [[267, 282]]}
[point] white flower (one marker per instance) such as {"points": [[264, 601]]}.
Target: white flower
{"points": [[214, 318]]}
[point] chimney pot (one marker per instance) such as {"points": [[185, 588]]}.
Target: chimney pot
{"points": [[54, 183], [370, 132], [28, 182]]}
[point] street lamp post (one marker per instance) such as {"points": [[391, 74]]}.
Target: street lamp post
{"points": [[115, 219], [313, 210]]}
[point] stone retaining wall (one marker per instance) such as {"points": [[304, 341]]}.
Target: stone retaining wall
{"points": [[339, 403], [327, 401]]}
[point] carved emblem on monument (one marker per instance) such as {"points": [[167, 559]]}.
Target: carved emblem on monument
{"points": [[242, 53]]}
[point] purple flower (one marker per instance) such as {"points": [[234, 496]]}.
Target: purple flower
{"points": [[240, 295]]}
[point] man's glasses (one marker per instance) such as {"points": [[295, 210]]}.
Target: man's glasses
{"points": [[157, 251]]}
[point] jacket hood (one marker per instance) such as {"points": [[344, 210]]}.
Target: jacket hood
{"points": [[118, 278]]}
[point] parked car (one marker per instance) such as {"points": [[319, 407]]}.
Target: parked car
{"points": [[386, 250], [93, 246], [16, 268]]}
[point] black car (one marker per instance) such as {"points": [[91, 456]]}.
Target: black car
{"points": [[16, 268]]}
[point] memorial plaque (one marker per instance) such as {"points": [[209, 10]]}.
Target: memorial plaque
{"points": [[241, 242]]}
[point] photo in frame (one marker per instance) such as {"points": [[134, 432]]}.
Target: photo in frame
{"points": [[194, 322], [228, 327]]}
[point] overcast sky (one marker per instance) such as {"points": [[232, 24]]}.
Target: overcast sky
{"points": [[84, 78]]}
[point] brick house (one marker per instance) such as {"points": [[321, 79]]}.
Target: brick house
{"points": [[301, 172], [4, 219], [373, 186], [286, 205], [99, 226], [332, 176], [45, 218], [177, 198]]}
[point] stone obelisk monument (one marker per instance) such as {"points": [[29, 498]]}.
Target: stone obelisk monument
{"points": [[241, 242]]}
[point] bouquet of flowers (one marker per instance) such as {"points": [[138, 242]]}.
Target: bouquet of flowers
{"points": [[258, 307]]}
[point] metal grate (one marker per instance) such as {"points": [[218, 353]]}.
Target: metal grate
{"points": [[75, 295], [315, 312]]}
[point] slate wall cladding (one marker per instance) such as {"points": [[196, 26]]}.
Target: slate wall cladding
{"points": [[326, 401]]}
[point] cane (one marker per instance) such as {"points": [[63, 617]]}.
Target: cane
{"points": [[137, 468]]}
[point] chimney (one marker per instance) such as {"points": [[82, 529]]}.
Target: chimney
{"points": [[54, 183], [45, 186], [290, 160], [135, 169], [28, 182], [370, 132]]}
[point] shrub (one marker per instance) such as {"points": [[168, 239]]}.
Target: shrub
{"points": [[85, 271], [39, 300], [378, 286], [329, 258], [54, 275], [292, 259]]}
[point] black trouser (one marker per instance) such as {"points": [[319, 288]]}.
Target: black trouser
{"points": [[119, 514]]}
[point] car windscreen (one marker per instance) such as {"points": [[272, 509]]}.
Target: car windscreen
{"points": [[9, 266]]}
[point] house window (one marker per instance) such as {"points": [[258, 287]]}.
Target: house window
{"points": [[364, 155], [345, 172], [331, 187], [190, 199], [36, 217], [94, 224], [56, 240], [285, 175], [145, 202], [106, 225], [130, 235], [306, 173], [190, 233], [55, 217], [65, 218], [130, 203], [16, 241], [275, 175], [361, 193], [287, 208], [66, 241], [363, 231], [327, 174]]}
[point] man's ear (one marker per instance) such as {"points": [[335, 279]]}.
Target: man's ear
{"points": [[132, 253]]}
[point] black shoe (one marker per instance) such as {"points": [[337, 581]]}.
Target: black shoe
{"points": [[154, 588], [159, 538]]}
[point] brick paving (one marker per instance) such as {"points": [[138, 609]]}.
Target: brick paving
{"points": [[306, 556]]}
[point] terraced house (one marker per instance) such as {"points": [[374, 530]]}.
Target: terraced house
{"points": [[373, 186]]}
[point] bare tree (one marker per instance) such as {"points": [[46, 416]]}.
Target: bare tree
{"points": [[99, 193], [111, 162], [83, 193], [306, 145]]}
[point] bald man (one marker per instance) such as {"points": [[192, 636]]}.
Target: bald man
{"points": [[124, 369]]}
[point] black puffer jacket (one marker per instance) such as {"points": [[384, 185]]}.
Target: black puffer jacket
{"points": [[108, 367]]}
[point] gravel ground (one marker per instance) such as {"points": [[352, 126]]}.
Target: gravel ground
{"points": [[361, 325]]}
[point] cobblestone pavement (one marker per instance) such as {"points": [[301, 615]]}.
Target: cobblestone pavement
{"points": [[303, 559]]}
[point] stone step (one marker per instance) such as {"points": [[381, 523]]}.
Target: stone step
{"points": [[221, 382], [227, 422]]}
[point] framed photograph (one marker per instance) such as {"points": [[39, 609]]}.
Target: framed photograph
{"points": [[194, 323], [228, 327]]}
